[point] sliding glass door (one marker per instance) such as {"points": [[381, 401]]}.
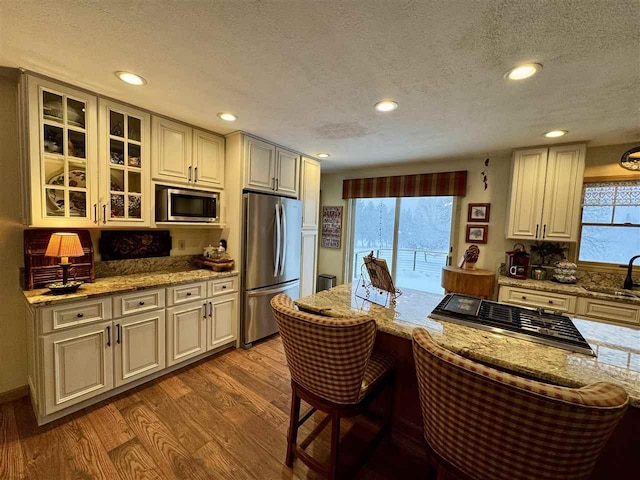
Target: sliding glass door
{"points": [[413, 234]]}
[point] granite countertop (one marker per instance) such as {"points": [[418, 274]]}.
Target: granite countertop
{"points": [[577, 289], [617, 347], [124, 283]]}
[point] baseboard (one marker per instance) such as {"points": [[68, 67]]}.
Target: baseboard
{"points": [[16, 393]]}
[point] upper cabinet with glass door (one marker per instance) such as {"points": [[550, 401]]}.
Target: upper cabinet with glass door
{"points": [[125, 171], [62, 163]]}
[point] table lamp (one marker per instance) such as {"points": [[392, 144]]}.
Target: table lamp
{"points": [[64, 245]]}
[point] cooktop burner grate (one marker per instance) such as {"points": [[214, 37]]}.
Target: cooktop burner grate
{"points": [[549, 328]]}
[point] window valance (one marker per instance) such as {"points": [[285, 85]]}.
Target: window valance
{"points": [[422, 185]]}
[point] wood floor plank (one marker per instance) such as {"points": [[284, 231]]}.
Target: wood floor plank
{"points": [[173, 386], [221, 418], [111, 428], [11, 456], [133, 462], [158, 440], [86, 456], [42, 447]]}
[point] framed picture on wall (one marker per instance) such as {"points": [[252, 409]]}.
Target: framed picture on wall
{"points": [[477, 233], [331, 227], [478, 212]]}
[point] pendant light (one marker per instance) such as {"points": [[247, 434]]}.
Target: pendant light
{"points": [[631, 159]]}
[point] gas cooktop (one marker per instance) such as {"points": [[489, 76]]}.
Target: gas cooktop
{"points": [[542, 326]]}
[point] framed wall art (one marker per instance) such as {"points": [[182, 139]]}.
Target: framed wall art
{"points": [[477, 233], [478, 212], [331, 227]]}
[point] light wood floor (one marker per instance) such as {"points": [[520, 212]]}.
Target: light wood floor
{"points": [[223, 418]]}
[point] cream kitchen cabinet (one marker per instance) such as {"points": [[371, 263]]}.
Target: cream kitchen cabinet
{"points": [[186, 156], [59, 135], [310, 196], [125, 170], [186, 331], [80, 352], [538, 299], [78, 365], [269, 168], [545, 193], [308, 262], [310, 193]]}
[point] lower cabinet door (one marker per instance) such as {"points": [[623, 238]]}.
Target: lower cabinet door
{"points": [[78, 365], [186, 331], [223, 323], [308, 262], [139, 346]]}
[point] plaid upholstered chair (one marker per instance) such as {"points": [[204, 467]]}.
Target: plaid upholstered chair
{"points": [[485, 424], [333, 369]]}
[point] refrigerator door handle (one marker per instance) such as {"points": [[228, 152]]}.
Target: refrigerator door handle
{"points": [[284, 240], [276, 259]]}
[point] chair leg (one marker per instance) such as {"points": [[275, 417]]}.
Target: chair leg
{"points": [[335, 442], [294, 417]]}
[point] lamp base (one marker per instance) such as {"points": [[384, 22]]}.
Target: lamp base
{"points": [[59, 288]]}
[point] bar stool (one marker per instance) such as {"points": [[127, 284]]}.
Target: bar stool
{"points": [[485, 424], [334, 370]]}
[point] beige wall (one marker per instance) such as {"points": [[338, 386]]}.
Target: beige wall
{"points": [[600, 162], [13, 351], [605, 162], [332, 261]]}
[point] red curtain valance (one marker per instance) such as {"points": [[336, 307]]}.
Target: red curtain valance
{"points": [[423, 185]]}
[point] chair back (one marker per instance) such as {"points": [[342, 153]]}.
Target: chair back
{"points": [[326, 356], [493, 425]]}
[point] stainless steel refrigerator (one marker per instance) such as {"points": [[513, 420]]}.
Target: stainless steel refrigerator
{"points": [[272, 236]]}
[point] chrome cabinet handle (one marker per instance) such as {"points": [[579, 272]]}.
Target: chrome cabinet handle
{"points": [[189, 172], [210, 310], [95, 213], [195, 175], [204, 311], [537, 227], [277, 184], [108, 336], [544, 230], [273, 183], [117, 333], [104, 213]]}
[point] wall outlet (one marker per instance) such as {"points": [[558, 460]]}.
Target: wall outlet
{"points": [[182, 244]]}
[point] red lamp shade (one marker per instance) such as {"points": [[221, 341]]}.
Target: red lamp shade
{"points": [[64, 245]]}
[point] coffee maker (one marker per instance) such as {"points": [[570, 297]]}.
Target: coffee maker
{"points": [[517, 262]]}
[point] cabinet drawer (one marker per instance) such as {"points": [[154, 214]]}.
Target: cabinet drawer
{"points": [[138, 302], [535, 299], [223, 286], [611, 311], [186, 293], [75, 314]]}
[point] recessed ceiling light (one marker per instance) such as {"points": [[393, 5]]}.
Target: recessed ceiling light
{"points": [[555, 133], [228, 117], [386, 106], [323, 155], [523, 71], [131, 78]]}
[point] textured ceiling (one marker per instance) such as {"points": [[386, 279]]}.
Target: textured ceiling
{"points": [[306, 73]]}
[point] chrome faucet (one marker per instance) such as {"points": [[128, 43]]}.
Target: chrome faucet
{"points": [[628, 282]]}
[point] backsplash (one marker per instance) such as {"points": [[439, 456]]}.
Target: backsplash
{"points": [[588, 278], [143, 265]]}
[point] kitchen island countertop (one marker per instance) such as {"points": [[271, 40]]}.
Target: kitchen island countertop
{"points": [[124, 283], [617, 347]]}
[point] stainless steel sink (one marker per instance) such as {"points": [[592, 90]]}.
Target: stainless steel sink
{"points": [[618, 292]]}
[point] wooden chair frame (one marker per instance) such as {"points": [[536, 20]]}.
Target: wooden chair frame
{"points": [[334, 411]]}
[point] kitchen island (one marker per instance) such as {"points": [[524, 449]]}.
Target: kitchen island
{"points": [[617, 347]]}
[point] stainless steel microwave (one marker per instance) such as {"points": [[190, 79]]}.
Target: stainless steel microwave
{"points": [[179, 205]]}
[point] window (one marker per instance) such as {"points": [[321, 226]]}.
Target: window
{"points": [[413, 234], [610, 222]]}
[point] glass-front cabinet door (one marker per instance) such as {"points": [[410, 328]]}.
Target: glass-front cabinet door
{"points": [[63, 167], [124, 165]]}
